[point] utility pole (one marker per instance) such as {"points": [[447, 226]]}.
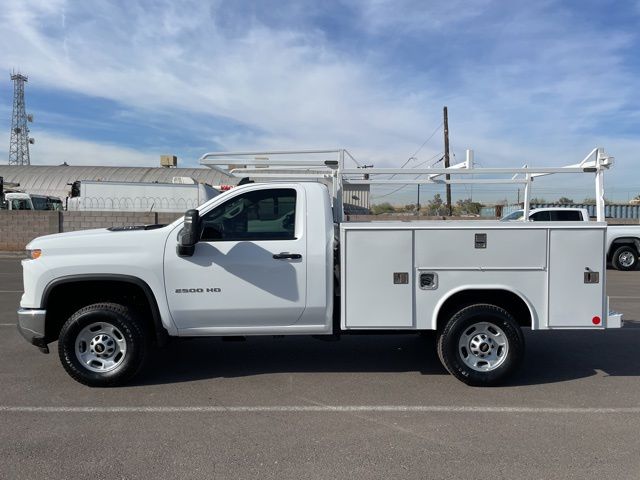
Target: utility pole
{"points": [[20, 140], [446, 158], [418, 202]]}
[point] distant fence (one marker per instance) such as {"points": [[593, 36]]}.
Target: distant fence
{"points": [[614, 210], [131, 204]]}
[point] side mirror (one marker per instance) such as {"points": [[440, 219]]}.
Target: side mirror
{"points": [[189, 236]]}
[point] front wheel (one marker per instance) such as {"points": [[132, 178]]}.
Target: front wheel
{"points": [[481, 345], [625, 258], [102, 345]]}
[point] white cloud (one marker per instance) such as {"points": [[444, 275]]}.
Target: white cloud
{"points": [[526, 88], [419, 16], [53, 149], [287, 85]]}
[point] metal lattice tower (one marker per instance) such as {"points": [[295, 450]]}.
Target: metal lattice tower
{"points": [[20, 140]]}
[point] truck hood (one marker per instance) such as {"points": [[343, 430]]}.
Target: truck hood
{"points": [[102, 239]]}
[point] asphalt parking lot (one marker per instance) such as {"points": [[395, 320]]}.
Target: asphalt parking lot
{"points": [[364, 407]]}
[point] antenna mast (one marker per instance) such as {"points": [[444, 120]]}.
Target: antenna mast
{"points": [[20, 140]]}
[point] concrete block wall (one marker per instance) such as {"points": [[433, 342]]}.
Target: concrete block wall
{"points": [[73, 221], [17, 228], [164, 218]]}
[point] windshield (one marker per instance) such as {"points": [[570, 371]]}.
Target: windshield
{"points": [[19, 204], [517, 215], [55, 204], [39, 203]]}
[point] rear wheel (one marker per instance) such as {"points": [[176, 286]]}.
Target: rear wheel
{"points": [[625, 258], [481, 345], [102, 345]]}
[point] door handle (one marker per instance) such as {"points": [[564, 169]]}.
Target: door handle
{"points": [[285, 255]]}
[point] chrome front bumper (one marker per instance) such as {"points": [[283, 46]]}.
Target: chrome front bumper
{"points": [[31, 326]]}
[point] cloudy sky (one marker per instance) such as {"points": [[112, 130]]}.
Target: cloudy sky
{"points": [[525, 82]]}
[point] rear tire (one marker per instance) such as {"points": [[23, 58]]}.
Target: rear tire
{"points": [[625, 258], [102, 345], [481, 345]]}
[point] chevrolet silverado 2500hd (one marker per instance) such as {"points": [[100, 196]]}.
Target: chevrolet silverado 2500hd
{"points": [[277, 258]]}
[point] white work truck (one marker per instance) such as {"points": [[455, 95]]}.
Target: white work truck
{"points": [[277, 258], [623, 241]]}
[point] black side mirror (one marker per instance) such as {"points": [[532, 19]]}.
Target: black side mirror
{"points": [[189, 236]]}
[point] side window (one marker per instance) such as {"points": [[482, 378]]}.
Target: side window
{"points": [[567, 216], [259, 215], [540, 216], [39, 203], [19, 204]]}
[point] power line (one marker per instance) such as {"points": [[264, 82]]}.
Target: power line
{"points": [[439, 154], [406, 185], [413, 157], [425, 142]]}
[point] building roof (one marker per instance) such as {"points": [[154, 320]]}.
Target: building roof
{"points": [[55, 180]]}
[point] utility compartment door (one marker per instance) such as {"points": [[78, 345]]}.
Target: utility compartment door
{"points": [[576, 299], [378, 276]]}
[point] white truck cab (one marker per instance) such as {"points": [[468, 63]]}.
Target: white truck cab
{"points": [[550, 214], [277, 258], [26, 201], [18, 201]]}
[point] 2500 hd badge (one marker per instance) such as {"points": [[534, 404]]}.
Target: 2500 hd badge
{"points": [[198, 290]]}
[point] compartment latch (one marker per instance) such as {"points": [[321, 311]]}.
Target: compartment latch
{"points": [[590, 276]]}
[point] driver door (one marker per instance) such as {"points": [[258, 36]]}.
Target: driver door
{"points": [[249, 267]]}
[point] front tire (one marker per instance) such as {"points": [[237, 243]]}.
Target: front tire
{"points": [[625, 258], [102, 345], [481, 345]]}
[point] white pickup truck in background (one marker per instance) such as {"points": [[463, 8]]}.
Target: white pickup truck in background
{"points": [[278, 259], [623, 241]]}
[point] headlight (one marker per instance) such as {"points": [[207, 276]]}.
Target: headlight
{"points": [[34, 253]]}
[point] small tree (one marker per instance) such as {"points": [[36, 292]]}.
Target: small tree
{"points": [[410, 207], [382, 208], [467, 207], [537, 201], [435, 205], [592, 201], [565, 201]]}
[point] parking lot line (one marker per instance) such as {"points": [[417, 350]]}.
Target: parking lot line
{"points": [[10, 291], [623, 297], [8, 324], [323, 409]]}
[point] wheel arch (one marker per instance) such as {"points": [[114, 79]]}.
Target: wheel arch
{"points": [[512, 300], [96, 288]]}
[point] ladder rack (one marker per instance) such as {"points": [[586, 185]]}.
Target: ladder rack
{"points": [[328, 166]]}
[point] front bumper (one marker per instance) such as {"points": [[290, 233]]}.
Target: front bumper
{"points": [[31, 326]]}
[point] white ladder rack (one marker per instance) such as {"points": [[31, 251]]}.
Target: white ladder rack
{"points": [[328, 166]]}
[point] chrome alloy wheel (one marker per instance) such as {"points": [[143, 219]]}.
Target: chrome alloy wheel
{"points": [[100, 347], [626, 259], [483, 346]]}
